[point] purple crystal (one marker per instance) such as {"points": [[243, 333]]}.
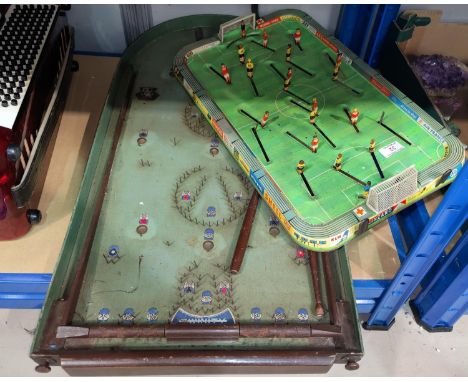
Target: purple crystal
{"points": [[439, 73]]}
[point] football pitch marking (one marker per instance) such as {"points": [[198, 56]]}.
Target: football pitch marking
{"points": [[381, 123], [230, 54], [248, 124], [371, 174], [422, 128], [427, 155], [288, 106], [352, 177], [363, 147], [324, 210], [261, 45], [300, 88], [254, 131], [347, 197], [315, 216], [324, 135], [299, 140], [318, 92], [377, 164]]}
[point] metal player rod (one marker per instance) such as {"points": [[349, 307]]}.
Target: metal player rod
{"points": [[277, 71], [297, 96], [377, 165], [324, 135], [380, 122], [349, 117], [306, 182], [298, 104], [298, 140], [250, 116], [254, 87], [302, 69], [351, 177], [254, 131], [349, 87], [330, 58], [217, 73], [265, 47]]}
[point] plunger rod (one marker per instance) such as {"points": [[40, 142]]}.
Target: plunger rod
{"points": [[314, 271], [244, 234]]}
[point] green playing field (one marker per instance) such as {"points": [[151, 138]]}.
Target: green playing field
{"points": [[335, 193]]}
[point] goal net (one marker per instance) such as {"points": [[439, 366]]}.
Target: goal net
{"points": [[230, 25], [393, 190]]}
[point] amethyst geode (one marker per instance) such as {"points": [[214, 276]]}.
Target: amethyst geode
{"points": [[440, 75]]}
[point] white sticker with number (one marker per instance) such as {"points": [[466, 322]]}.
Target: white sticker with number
{"points": [[391, 149]]}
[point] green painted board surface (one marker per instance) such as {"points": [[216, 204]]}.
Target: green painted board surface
{"points": [[335, 193]]}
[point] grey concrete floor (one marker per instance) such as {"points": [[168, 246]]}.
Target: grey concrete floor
{"points": [[404, 350]]}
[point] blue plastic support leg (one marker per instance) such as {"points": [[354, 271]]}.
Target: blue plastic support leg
{"points": [[412, 221], [445, 300], [446, 221], [398, 239], [23, 290], [368, 293]]}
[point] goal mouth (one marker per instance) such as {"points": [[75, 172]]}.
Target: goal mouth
{"points": [[249, 20], [393, 190]]}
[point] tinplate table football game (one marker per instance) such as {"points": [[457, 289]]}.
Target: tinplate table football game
{"points": [[173, 261]]}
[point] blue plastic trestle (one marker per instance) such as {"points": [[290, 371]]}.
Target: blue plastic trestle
{"points": [[445, 299], [442, 227]]}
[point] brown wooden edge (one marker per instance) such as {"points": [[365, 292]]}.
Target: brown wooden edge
{"points": [[208, 358], [62, 310]]}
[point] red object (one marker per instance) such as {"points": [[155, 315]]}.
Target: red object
{"points": [[297, 35], [314, 104], [13, 221], [379, 86], [143, 219], [315, 141], [265, 38], [326, 41], [270, 22], [265, 119], [339, 58], [300, 252], [354, 114], [289, 75], [225, 73]]}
